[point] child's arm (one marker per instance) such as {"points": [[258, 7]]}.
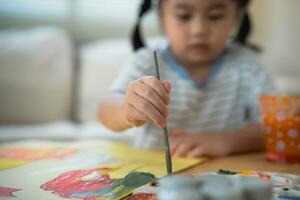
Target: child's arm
{"points": [[185, 144], [109, 112], [249, 138], [145, 100]]}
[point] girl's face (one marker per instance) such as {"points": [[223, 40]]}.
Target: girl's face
{"points": [[198, 29]]}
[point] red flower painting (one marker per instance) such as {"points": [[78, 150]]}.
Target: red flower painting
{"points": [[95, 183]]}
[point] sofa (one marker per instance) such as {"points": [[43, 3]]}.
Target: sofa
{"points": [[50, 89], [45, 94]]}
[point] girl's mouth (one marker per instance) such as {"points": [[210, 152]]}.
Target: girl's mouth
{"points": [[199, 47]]}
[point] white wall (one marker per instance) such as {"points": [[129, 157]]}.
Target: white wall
{"points": [[278, 31]]}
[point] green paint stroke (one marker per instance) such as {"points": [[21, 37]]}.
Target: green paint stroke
{"points": [[226, 172], [125, 186]]}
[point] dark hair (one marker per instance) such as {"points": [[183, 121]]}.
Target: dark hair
{"points": [[241, 37], [245, 26]]}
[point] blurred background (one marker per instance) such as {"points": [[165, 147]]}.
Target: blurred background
{"points": [[58, 57]]}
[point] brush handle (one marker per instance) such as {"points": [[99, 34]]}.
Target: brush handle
{"points": [[166, 135], [156, 65], [167, 152]]}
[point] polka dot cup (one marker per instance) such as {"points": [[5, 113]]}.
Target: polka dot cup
{"points": [[281, 119]]}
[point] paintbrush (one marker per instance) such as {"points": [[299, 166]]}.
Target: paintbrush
{"points": [[166, 138]]}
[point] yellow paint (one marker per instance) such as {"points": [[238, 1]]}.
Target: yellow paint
{"points": [[144, 160], [8, 164]]}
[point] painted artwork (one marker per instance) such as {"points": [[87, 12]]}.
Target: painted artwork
{"points": [[83, 170], [17, 156], [95, 184], [7, 192]]}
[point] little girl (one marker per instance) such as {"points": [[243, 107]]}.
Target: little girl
{"points": [[212, 108]]}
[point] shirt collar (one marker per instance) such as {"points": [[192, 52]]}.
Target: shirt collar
{"points": [[170, 60]]}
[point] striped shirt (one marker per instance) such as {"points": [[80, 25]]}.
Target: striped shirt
{"points": [[227, 100]]}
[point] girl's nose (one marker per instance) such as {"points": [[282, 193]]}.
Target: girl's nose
{"points": [[199, 27]]}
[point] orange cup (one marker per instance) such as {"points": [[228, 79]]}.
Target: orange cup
{"points": [[281, 119]]}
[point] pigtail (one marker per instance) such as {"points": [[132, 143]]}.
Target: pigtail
{"points": [[245, 26], [244, 29], [136, 39]]}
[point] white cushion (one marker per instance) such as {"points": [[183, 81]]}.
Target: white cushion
{"points": [[100, 63], [35, 76], [65, 130], [282, 45]]}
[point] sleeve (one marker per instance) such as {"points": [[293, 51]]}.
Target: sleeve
{"points": [[259, 82], [139, 64]]}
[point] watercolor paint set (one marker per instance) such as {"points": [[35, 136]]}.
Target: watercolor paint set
{"points": [[223, 185]]}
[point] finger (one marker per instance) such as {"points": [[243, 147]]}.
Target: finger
{"points": [[183, 149], [157, 86], [167, 86], [173, 149], [173, 145], [148, 93], [138, 118], [146, 107], [196, 152]]}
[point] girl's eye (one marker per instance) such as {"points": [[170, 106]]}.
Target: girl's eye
{"points": [[184, 17], [216, 17]]}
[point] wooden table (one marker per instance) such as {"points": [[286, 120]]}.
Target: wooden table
{"points": [[254, 161]]}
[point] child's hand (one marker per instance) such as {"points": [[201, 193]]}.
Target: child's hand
{"points": [[146, 100], [184, 144]]}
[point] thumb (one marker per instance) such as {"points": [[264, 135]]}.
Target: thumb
{"points": [[167, 86]]}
